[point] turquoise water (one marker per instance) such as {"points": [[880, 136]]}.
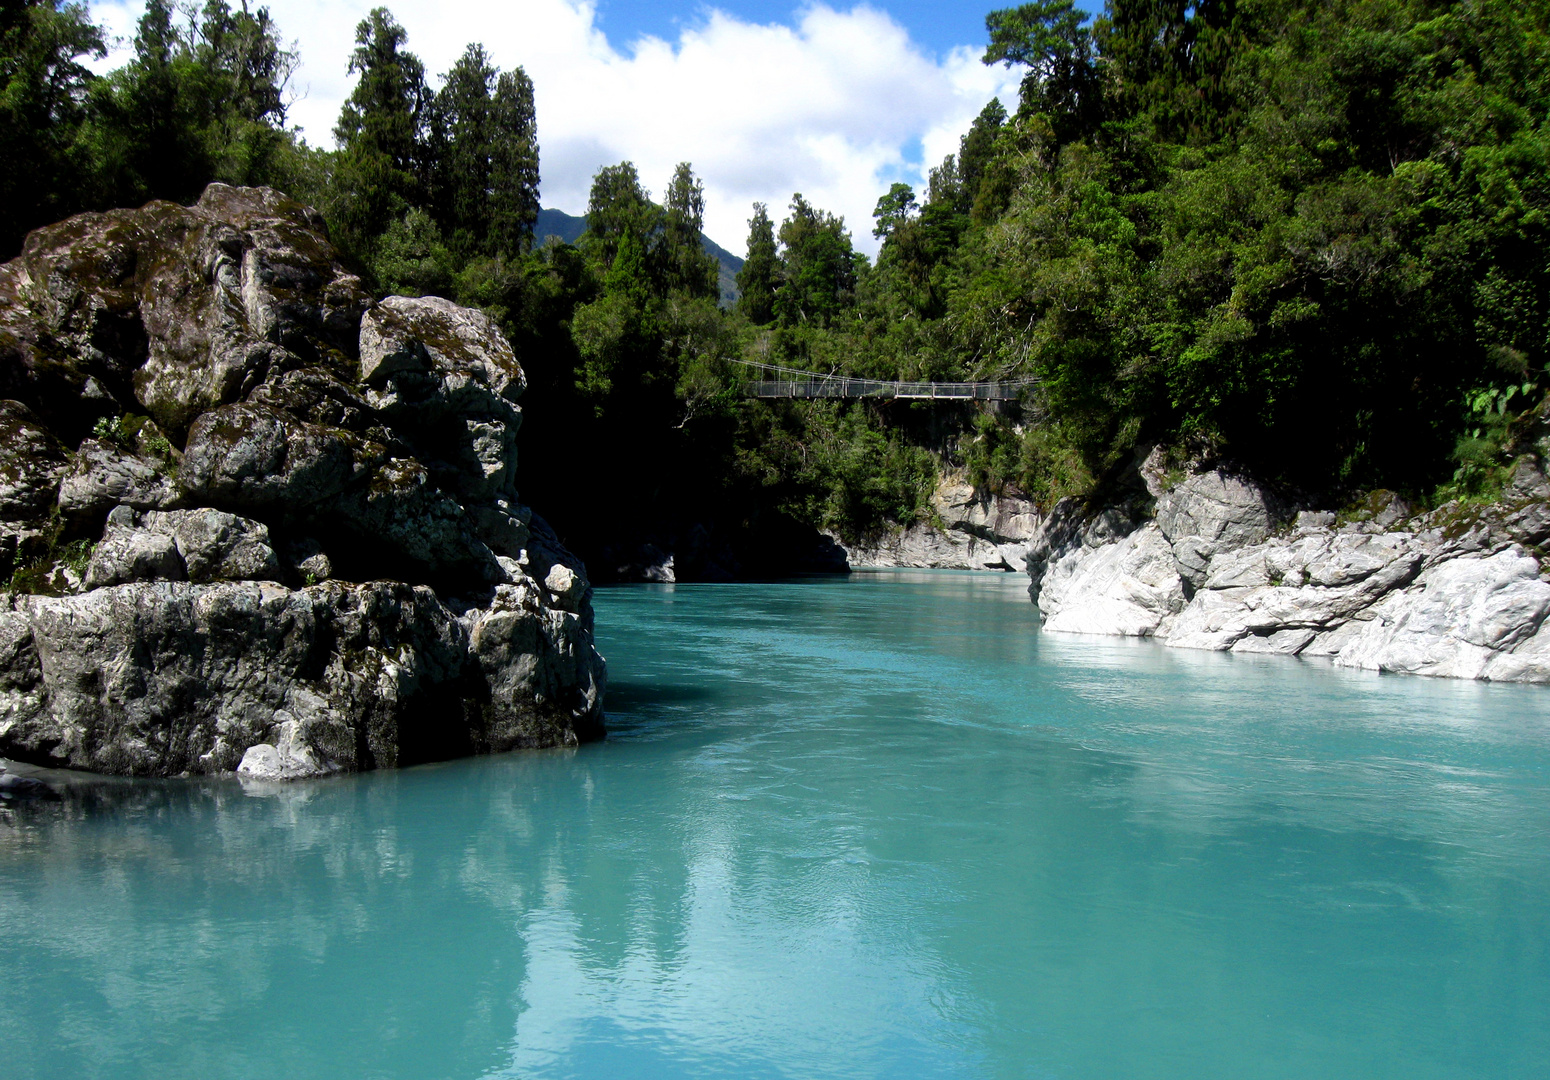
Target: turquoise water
{"points": [[868, 828]]}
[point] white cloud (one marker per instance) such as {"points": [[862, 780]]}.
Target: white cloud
{"points": [[830, 106]]}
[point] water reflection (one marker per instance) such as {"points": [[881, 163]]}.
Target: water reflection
{"points": [[881, 828]]}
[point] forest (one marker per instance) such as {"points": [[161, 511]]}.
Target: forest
{"points": [[1308, 236]]}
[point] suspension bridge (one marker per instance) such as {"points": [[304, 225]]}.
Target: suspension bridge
{"points": [[784, 382]]}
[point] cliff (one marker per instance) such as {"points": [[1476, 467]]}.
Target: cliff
{"points": [[972, 529], [257, 519], [1206, 558]]}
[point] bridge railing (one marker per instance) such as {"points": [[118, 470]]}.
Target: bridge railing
{"points": [[842, 387]]}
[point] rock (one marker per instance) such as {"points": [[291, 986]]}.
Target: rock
{"points": [[1129, 587], [309, 561], [103, 475], [217, 546], [446, 377], [17, 788], [259, 459], [419, 611], [32, 462], [1211, 512], [1456, 619], [131, 554], [1447, 596], [978, 531], [161, 678], [291, 759]]}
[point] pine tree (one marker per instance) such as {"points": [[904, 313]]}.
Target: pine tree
{"points": [[513, 201], [761, 269], [381, 133], [683, 263], [617, 206]]}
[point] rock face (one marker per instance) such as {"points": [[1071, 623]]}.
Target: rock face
{"points": [[978, 531], [1456, 592], [306, 553]]}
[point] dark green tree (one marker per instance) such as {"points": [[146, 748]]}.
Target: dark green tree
{"points": [[381, 133], [760, 275], [684, 266], [43, 86], [513, 164], [618, 207], [818, 267], [893, 210]]}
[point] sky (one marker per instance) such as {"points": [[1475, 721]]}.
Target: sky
{"points": [[764, 97]]}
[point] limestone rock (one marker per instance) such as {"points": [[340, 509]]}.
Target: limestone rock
{"points": [[1210, 512], [418, 611], [1129, 587]]}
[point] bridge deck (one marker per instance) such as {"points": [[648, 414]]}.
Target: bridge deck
{"points": [[874, 388], [792, 383]]}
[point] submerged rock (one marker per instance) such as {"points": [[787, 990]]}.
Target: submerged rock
{"points": [[310, 558]]}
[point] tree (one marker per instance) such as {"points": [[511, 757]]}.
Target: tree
{"points": [[381, 133], [43, 87], [618, 206], [818, 266], [893, 209], [758, 278], [513, 199], [684, 266], [1049, 39]]}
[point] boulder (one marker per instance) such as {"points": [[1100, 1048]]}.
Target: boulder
{"points": [[103, 474], [1208, 513], [1129, 588], [311, 557]]}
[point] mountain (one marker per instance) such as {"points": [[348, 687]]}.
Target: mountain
{"points": [[567, 228]]}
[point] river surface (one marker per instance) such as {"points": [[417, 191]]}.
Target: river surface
{"points": [[842, 829]]}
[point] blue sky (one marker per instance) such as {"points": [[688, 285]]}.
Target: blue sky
{"points": [[938, 27], [764, 98]]}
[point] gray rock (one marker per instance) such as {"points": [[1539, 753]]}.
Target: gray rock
{"points": [[103, 475], [131, 554], [161, 678], [370, 442], [978, 531], [1129, 587], [1210, 512], [1448, 597], [1456, 619], [217, 546], [447, 379]]}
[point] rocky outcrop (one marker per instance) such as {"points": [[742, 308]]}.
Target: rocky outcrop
{"points": [[260, 522], [1457, 592], [973, 529]]}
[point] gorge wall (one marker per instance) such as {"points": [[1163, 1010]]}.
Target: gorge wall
{"points": [[257, 519], [971, 529], [1205, 558]]}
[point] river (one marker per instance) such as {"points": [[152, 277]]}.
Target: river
{"points": [[876, 827]]}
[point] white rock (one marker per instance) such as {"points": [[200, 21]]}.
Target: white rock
{"points": [[1456, 619], [1128, 588]]}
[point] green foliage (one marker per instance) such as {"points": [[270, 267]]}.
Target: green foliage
{"points": [[818, 267], [757, 279]]}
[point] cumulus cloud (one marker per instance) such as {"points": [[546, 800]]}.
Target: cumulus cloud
{"points": [[836, 105]]}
